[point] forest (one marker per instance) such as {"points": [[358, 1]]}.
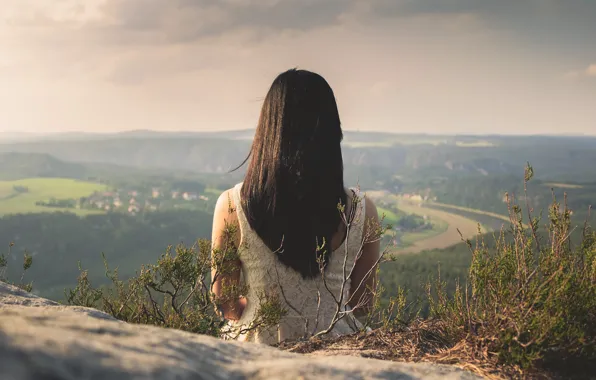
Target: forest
{"points": [[57, 242]]}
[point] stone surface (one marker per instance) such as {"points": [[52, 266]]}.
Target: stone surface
{"points": [[41, 339]]}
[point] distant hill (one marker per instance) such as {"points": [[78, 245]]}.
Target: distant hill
{"points": [[556, 158], [12, 137], [15, 166]]}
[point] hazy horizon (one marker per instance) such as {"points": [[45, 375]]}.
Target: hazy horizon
{"points": [[493, 67], [173, 132]]}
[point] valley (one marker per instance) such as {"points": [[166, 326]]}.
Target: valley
{"points": [[130, 196]]}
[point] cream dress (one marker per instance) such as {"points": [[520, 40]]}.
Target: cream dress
{"points": [[266, 276]]}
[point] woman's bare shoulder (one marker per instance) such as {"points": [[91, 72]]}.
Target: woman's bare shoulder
{"points": [[370, 209], [225, 206]]}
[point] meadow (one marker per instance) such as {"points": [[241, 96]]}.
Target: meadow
{"points": [[388, 216], [13, 201]]}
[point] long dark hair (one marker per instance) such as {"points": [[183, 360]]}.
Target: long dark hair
{"points": [[294, 180]]}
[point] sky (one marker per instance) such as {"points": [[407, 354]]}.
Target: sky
{"points": [[404, 66]]}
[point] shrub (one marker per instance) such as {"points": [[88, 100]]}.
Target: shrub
{"points": [[175, 292], [530, 302], [27, 262]]}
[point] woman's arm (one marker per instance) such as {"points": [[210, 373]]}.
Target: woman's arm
{"points": [[225, 271], [364, 276]]}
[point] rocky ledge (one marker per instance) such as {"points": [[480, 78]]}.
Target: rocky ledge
{"points": [[41, 339]]}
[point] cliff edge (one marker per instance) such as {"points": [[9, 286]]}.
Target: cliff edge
{"points": [[41, 339]]}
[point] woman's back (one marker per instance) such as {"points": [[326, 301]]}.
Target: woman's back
{"points": [[300, 242], [311, 304]]}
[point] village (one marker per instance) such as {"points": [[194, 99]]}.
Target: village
{"points": [[135, 201]]}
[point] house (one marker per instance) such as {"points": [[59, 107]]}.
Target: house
{"points": [[155, 193], [133, 209], [189, 196], [203, 198], [175, 194]]}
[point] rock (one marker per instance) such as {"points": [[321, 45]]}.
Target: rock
{"points": [[43, 340]]}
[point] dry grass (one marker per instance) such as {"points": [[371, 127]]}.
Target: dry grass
{"points": [[421, 341]]}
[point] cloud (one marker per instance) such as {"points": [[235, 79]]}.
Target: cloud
{"points": [[574, 74], [151, 22], [175, 63], [589, 71], [185, 21]]}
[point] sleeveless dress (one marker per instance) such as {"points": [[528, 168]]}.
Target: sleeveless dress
{"points": [[307, 312]]}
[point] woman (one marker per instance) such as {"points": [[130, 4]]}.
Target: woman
{"points": [[303, 239]]}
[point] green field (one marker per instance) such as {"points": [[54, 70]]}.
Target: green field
{"points": [[42, 189], [390, 217]]}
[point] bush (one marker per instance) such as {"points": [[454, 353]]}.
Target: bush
{"points": [[529, 303], [174, 293], [27, 262]]}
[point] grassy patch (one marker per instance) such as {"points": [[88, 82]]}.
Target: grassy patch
{"points": [[390, 216], [42, 189]]}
